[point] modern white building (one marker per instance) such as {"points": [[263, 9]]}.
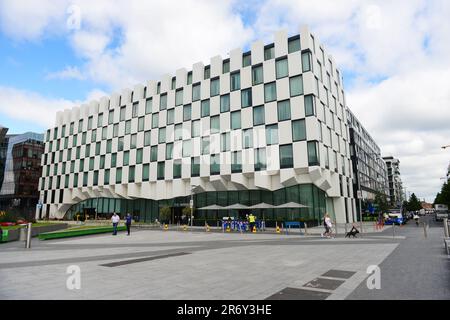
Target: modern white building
{"points": [[395, 182], [268, 125]]}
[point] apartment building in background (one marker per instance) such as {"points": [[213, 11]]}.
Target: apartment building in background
{"points": [[396, 194]]}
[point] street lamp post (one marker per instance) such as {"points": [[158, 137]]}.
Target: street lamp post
{"points": [[191, 204]]}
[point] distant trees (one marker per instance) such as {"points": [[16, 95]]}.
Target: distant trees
{"points": [[443, 197], [413, 203]]}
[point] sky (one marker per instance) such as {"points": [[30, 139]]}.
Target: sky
{"points": [[394, 56]]}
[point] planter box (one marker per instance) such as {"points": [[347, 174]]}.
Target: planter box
{"points": [[14, 235], [78, 233]]}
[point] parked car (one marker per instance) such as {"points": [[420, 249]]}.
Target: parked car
{"points": [[394, 218]]}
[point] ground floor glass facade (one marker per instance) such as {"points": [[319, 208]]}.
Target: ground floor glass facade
{"points": [[146, 210]]}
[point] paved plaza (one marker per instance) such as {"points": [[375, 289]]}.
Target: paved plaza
{"points": [[155, 264]]}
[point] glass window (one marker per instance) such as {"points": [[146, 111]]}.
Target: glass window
{"points": [[126, 158], [195, 129], [105, 133], [120, 144], [187, 112], [170, 116], [215, 164], [97, 148], [225, 141], [177, 169], [306, 61], [196, 92], [281, 66], [158, 88], [147, 138], [127, 127], [131, 174], [205, 108], [119, 175], [226, 66], [246, 60], [257, 75], [284, 110], [270, 92], [90, 119], [296, 85], [235, 120], [163, 102], [113, 160], [269, 52], [154, 153], [179, 131], [298, 130], [189, 78], [205, 145], [215, 87], [174, 83], [260, 159], [236, 162], [141, 124], [294, 45], [116, 130], [71, 128], [148, 106], [195, 167], [161, 169], [162, 135], [187, 148], [146, 172], [155, 120], [83, 140], [247, 138], [100, 120], [225, 103], [271, 134], [235, 81], [108, 146], [215, 124], [286, 156], [207, 72], [258, 115], [313, 156], [246, 98], [80, 126], [309, 105], [169, 151], [122, 113], [106, 177], [139, 156], [135, 109], [179, 97]]}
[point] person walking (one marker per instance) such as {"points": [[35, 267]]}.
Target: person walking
{"points": [[251, 221], [327, 225], [115, 219], [128, 223]]}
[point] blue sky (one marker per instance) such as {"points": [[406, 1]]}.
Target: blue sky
{"points": [[393, 56]]}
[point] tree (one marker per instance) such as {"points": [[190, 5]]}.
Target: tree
{"points": [[165, 214], [381, 202], [443, 197], [413, 204]]}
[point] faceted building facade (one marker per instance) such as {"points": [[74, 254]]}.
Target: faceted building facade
{"points": [[395, 182], [268, 125]]}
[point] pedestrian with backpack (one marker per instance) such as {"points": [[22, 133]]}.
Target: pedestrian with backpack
{"points": [[327, 225]]}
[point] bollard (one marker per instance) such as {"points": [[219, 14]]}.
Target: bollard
{"points": [[393, 230], [28, 243], [306, 228], [446, 228], [424, 229]]}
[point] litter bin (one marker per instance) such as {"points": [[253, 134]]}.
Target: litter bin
{"points": [[4, 235]]}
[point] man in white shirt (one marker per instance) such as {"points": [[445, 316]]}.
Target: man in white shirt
{"points": [[115, 219]]}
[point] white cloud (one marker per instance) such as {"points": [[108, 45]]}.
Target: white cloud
{"points": [[67, 73]]}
